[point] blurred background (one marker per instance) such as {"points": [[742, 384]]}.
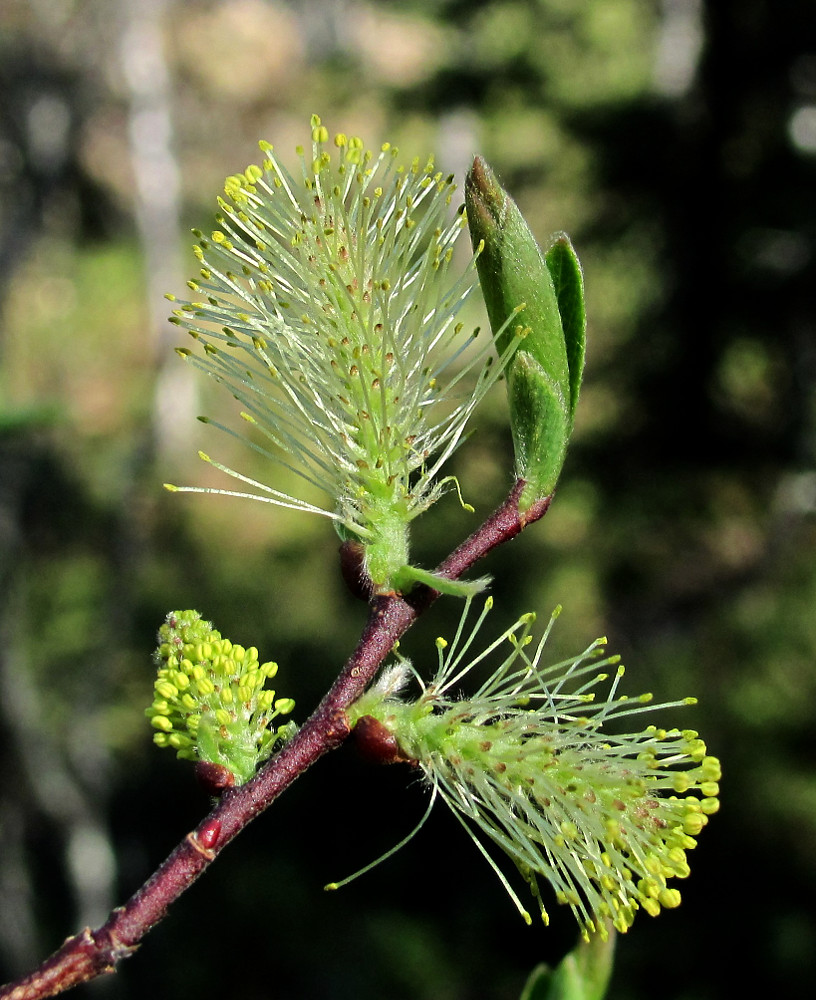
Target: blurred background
{"points": [[675, 140]]}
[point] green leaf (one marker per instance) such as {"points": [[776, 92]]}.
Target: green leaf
{"points": [[407, 577], [583, 974], [537, 986], [540, 426], [568, 281]]}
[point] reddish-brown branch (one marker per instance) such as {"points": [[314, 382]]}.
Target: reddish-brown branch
{"points": [[92, 953]]}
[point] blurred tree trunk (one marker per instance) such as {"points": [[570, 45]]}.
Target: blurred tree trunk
{"points": [[157, 207], [52, 797]]}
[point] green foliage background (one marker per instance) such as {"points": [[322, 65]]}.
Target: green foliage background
{"points": [[671, 140]]}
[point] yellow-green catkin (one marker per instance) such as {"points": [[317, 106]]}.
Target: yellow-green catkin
{"points": [[538, 764], [210, 700], [327, 304]]}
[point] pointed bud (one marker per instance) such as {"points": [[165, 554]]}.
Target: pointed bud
{"points": [[544, 376]]}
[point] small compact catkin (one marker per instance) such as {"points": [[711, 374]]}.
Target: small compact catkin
{"points": [[211, 704]]}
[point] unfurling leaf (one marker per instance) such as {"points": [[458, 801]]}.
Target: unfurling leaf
{"points": [[538, 298]]}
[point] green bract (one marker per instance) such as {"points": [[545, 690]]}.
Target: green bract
{"points": [[534, 761], [582, 974], [210, 702], [324, 303], [546, 290]]}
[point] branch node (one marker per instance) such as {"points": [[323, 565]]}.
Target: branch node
{"points": [[338, 728], [193, 840]]}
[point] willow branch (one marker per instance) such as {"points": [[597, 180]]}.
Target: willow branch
{"points": [[94, 952]]}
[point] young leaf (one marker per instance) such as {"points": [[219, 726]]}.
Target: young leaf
{"points": [[546, 292], [583, 974], [513, 271], [540, 425], [568, 281]]}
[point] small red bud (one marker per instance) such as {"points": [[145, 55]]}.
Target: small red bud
{"points": [[376, 743], [214, 778], [208, 833], [353, 571]]}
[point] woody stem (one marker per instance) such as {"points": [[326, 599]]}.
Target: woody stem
{"points": [[91, 953]]}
